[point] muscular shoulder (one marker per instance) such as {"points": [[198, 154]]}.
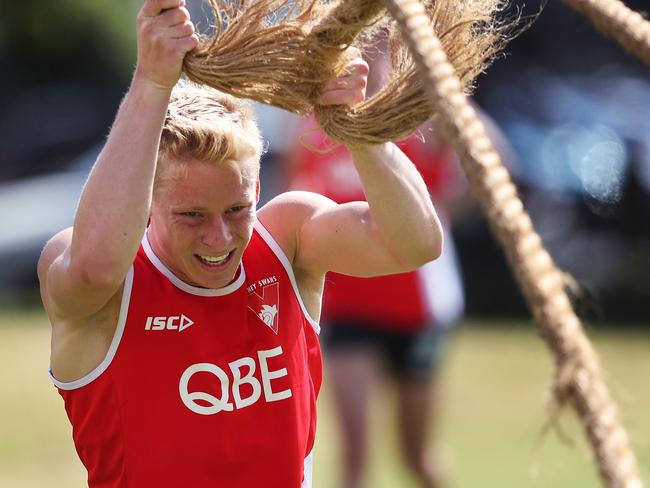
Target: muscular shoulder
{"points": [[80, 336], [300, 202], [284, 216], [68, 291], [53, 249]]}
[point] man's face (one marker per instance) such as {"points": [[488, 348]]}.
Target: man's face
{"points": [[202, 222]]}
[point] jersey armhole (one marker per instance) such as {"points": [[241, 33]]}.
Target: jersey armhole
{"points": [[112, 350], [279, 253]]}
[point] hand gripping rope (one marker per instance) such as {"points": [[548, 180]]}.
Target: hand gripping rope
{"points": [[284, 63], [285, 60]]}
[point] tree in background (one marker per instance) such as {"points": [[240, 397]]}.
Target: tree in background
{"points": [[60, 58]]}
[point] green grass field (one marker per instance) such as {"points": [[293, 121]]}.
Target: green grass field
{"points": [[496, 383]]}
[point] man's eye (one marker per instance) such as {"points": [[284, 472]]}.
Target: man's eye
{"points": [[192, 214], [237, 208]]}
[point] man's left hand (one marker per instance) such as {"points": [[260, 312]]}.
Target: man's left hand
{"points": [[349, 88]]}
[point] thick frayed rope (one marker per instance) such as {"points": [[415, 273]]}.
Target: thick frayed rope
{"points": [[281, 52], [614, 19], [578, 378]]}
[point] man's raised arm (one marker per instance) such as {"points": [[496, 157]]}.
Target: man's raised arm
{"points": [[396, 230], [82, 268]]}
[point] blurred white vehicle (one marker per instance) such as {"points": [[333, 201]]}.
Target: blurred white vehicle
{"points": [[31, 211]]}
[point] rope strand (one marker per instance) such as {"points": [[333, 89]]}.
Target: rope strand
{"points": [[578, 379], [614, 19]]}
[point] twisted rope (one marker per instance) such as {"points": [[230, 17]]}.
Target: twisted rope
{"points": [[578, 379], [614, 19]]}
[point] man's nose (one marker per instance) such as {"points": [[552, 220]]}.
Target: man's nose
{"points": [[217, 234]]}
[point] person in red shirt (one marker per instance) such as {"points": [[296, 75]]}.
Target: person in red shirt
{"points": [[184, 320], [395, 323]]}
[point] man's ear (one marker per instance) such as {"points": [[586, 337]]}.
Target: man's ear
{"points": [[257, 191]]}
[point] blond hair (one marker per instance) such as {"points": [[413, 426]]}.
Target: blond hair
{"points": [[207, 125]]}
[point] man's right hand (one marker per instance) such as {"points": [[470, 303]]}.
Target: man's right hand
{"points": [[165, 35]]}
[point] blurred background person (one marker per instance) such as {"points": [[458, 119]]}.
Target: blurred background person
{"points": [[391, 326]]}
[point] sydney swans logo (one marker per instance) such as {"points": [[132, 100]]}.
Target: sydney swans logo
{"points": [[265, 304], [267, 315]]}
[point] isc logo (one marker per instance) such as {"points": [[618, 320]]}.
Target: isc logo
{"points": [[174, 322]]}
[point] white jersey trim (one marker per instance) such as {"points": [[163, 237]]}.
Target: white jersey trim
{"points": [[308, 471], [112, 350], [192, 290], [277, 250]]}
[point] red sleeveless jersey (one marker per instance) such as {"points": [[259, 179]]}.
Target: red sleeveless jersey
{"points": [[203, 387]]}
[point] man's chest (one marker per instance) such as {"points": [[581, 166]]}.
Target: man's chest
{"points": [[210, 356]]}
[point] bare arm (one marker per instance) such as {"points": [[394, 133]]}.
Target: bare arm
{"points": [[399, 204], [396, 230], [82, 269]]}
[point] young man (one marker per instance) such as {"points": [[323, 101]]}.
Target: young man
{"points": [[183, 321]]}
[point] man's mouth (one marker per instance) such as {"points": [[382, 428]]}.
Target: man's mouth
{"points": [[214, 260]]}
